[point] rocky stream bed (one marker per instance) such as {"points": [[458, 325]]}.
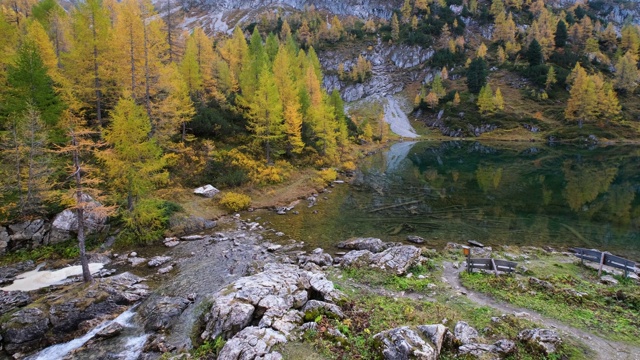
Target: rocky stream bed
{"points": [[227, 283]]}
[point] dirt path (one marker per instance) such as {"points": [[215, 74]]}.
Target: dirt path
{"points": [[605, 349]]}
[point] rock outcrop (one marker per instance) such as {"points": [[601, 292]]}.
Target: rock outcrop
{"points": [[160, 313], [546, 340], [276, 300], [404, 343], [396, 259]]}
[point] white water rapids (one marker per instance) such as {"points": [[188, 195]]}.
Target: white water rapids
{"points": [[130, 352], [35, 279]]}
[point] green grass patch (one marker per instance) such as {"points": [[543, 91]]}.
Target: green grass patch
{"points": [[378, 278], [576, 298]]}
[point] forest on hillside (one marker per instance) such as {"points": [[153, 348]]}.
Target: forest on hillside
{"points": [[114, 100], [108, 99]]}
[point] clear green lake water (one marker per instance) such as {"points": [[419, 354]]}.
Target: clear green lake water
{"points": [[521, 194]]}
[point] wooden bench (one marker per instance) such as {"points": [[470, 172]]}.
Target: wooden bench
{"points": [[494, 265], [605, 258]]}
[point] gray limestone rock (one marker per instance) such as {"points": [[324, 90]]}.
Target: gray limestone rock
{"points": [[465, 333], [372, 244], [404, 343], [439, 335], [545, 339], [252, 343], [314, 307], [160, 313]]}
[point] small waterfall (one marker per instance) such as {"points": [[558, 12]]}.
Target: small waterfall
{"points": [[59, 351]]}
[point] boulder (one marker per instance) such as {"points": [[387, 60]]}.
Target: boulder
{"points": [[159, 344], [160, 313], [65, 224], [357, 258], [9, 273], [268, 298], [439, 335], [372, 244], [112, 330], [135, 261], [545, 339], [4, 240], [415, 239], [27, 234], [545, 285], [313, 308], [25, 330], [404, 343], [465, 333], [11, 300], [608, 280], [182, 224], [252, 343], [397, 259], [317, 256], [158, 260], [482, 351], [207, 191]]}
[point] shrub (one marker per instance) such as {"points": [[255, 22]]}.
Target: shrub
{"points": [[348, 166], [235, 202], [147, 222]]}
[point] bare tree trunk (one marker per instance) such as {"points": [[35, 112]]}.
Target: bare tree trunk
{"points": [[133, 63], [86, 273], [95, 72], [169, 39], [18, 159], [147, 96]]}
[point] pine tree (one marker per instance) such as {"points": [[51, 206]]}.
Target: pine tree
{"points": [[285, 31], [406, 11], [630, 41], [432, 99], [422, 6], [477, 75], [561, 34], [85, 195], [395, 28], [266, 115], [304, 36], [87, 64], [498, 100], [173, 109], [551, 78], [482, 51], [444, 73], [534, 54], [626, 78], [190, 69], [30, 86], [609, 104], [486, 103], [579, 96], [437, 87], [133, 162], [497, 7], [288, 91], [456, 99]]}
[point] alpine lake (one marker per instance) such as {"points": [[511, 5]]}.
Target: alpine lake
{"points": [[496, 193]]}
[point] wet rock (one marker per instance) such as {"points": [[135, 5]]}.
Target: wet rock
{"points": [[207, 191], [317, 256], [192, 237], [465, 333], [371, 244], [404, 343], [135, 261], [415, 239], [11, 300], [545, 339], [158, 260], [439, 335], [160, 313], [158, 343], [113, 330], [252, 343], [171, 242], [313, 308], [24, 330], [165, 270]]}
